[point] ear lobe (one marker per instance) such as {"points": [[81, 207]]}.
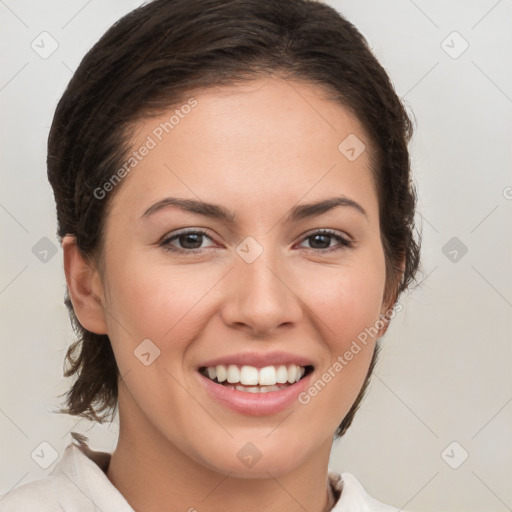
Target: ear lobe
{"points": [[85, 288]]}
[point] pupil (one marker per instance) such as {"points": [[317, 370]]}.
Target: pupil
{"points": [[194, 237], [316, 239]]}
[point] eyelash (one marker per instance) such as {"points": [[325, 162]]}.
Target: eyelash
{"points": [[343, 242]]}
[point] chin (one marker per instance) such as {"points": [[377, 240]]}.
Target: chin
{"points": [[258, 459]]}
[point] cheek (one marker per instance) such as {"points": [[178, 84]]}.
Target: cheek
{"points": [[159, 302], [345, 299], [346, 302], [346, 324]]}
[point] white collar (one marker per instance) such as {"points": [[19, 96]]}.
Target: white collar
{"points": [[85, 469]]}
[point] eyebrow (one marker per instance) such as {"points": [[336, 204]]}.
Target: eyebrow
{"points": [[221, 213]]}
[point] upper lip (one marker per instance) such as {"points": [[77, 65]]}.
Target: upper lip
{"points": [[258, 359]]}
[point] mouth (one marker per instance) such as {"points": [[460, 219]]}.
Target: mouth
{"points": [[250, 379]]}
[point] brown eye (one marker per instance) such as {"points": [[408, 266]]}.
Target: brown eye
{"points": [[321, 241], [186, 242]]}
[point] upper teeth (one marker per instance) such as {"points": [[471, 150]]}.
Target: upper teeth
{"points": [[250, 375]]}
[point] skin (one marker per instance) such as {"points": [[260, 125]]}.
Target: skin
{"points": [[258, 150]]}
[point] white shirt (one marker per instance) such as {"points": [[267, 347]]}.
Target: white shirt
{"points": [[79, 484]]}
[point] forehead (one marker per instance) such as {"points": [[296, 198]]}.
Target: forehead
{"points": [[230, 143]]}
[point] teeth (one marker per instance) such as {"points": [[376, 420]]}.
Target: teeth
{"points": [[247, 375], [267, 376], [233, 374], [255, 389], [219, 372], [282, 374], [293, 373], [258, 389]]}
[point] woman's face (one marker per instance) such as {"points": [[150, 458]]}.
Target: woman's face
{"points": [[260, 288]]}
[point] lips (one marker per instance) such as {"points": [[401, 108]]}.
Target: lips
{"points": [[255, 404], [258, 360], [256, 399]]}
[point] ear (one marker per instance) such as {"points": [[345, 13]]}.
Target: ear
{"points": [[85, 288], [391, 303], [384, 322]]}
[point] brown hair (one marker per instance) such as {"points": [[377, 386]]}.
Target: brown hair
{"points": [[153, 58]]}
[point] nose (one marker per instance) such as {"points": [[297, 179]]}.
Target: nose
{"points": [[260, 297]]}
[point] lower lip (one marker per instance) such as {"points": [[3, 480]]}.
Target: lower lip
{"points": [[255, 404]]}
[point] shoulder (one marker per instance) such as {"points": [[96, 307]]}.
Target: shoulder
{"points": [[354, 497], [78, 482], [38, 496]]}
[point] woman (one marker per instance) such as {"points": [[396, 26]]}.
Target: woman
{"points": [[235, 208]]}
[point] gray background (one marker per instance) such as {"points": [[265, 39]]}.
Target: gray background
{"points": [[442, 390]]}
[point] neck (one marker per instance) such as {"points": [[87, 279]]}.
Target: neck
{"points": [[153, 474]]}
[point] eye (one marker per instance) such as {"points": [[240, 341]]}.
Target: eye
{"points": [[190, 241], [321, 241]]}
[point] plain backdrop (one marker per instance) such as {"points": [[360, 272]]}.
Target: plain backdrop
{"points": [[434, 430]]}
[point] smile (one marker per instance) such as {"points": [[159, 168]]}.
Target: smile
{"points": [[255, 391], [250, 379]]}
